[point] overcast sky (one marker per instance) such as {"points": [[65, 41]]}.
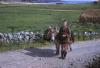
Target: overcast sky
{"points": [[79, 0]]}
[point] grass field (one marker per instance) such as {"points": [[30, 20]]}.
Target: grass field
{"points": [[30, 17], [35, 18]]}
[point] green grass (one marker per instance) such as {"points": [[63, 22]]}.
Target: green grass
{"points": [[22, 45], [31, 18], [72, 6]]}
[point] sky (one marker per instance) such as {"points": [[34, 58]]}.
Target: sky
{"points": [[79, 0]]}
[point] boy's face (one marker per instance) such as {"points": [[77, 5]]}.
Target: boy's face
{"points": [[65, 23]]}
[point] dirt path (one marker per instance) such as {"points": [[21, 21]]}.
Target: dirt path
{"points": [[44, 57]]}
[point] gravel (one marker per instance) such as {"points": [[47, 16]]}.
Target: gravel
{"points": [[82, 53]]}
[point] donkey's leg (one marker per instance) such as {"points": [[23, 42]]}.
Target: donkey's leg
{"points": [[57, 47], [69, 47], [65, 50]]}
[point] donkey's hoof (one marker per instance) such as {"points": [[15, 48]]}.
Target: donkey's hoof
{"points": [[62, 58], [56, 53]]}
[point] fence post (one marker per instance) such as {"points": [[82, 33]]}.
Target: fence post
{"points": [[90, 36], [78, 35], [83, 35]]}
